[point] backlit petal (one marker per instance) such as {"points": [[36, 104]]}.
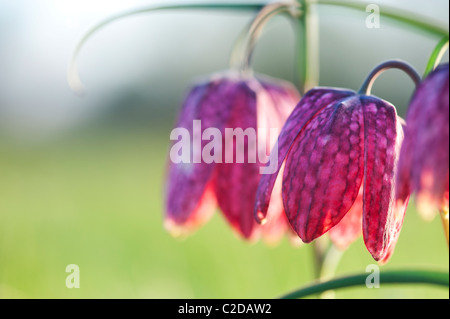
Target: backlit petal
{"points": [[236, 182], [189, 196], [308, 107], [382, 216], [324, 169], [350, 227], [424, 159]]}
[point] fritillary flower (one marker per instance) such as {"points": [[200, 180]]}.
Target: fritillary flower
{"points": [[340, 152], [424, 158], [198, 184]]}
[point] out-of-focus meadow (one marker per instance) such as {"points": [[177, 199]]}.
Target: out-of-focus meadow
{"points": [[82, 178]]}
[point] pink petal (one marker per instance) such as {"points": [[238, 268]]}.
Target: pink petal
{"points": [[255, 105], [424, 159], [324, 169], [189, 197], [276, 223], [284, 98], [350, 226], [398, 217], [236, 183], [382, 214], [314, 101]]}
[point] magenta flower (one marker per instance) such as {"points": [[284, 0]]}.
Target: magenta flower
{"points": [[424, 158], [209, 177], [340, 151]]}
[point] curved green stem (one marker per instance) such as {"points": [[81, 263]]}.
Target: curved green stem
{"points": [[326, 261], [387, 277], [238, 47], [309, 66], [410, 19], [366, 88], [436, 55], [330, 263], [269, 11], [73, 77], [319, 250]]}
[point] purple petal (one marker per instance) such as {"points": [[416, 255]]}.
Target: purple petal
{"points": [[314, 101], [424, 159], [324, 169], [189, 197], [284, 96], [236, 183], [350, 226], [382, 217]]}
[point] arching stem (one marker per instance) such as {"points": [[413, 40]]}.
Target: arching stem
{"points": [[386, 277], [419, 23], [73, 76], [256, 28], [366, 88]]}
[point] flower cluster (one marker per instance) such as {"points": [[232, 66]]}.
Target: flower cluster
{"points": [[342, 163], [338, 168], [326, 161]]}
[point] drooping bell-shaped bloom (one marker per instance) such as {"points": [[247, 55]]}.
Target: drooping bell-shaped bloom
{"points": [[340, 150], [424, 157], [228, 125]]}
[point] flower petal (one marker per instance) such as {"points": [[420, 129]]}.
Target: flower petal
{"points": [[276, 223], [398, 217], [284, 98], [189, 196], [350, 226], [308, 107], [324, 169], [237, 180], [424, 159], [382, 217], [259, 106]]}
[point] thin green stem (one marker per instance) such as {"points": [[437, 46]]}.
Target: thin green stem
{"points": [[300, 54], [326, 259], [311, 57], [73, 76], [366, 88], [387, 277], [258, 23], [418, 22], [436, 55], [238, 48], [319, 249], [330, 263]]}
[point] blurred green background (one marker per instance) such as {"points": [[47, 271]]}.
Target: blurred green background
{"points": [[81, 179]]}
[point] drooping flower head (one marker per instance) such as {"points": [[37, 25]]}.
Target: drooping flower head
{"points": [[424, 158], [340, 150], [228, 122]]}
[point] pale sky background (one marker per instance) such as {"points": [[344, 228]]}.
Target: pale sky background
{"points": [[156, 56]]}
